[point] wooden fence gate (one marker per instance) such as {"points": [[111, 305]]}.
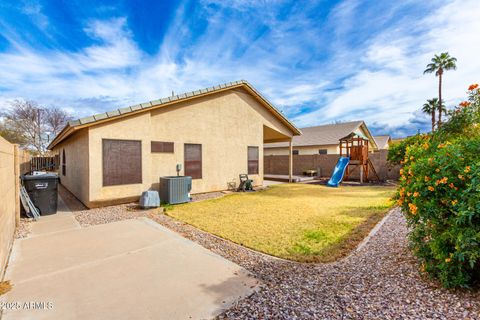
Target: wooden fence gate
{"points": [[45, 163]]}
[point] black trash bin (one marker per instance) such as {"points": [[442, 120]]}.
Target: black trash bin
{"points": [[43, 191]]}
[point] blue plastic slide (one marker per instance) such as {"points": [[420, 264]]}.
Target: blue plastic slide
{"points": [[339, 172]]}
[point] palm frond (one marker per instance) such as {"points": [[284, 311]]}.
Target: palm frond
{"points": [[441, 63]]}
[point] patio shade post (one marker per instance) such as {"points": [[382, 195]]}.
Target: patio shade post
{"points": [[290, 160]]}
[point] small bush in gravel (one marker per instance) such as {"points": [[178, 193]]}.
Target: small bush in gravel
{"points": [[440, 194]]}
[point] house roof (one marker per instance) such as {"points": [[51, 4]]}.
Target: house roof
{"points": [[328, 134], [382, 141], [150, 105]]}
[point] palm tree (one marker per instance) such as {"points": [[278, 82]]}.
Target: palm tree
{"points": [[430, 108], [442, 109], [439, 64]]}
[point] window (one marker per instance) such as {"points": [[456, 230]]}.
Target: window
{"points": [[122, 162], [295, 152], [161, 147], [64, 163], [322, 151], [252, 160], [193, 160]]}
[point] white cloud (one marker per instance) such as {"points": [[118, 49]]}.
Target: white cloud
{"points": [[116, 48], [34, 10], [380, 81], [56, 78], [390, 79]]}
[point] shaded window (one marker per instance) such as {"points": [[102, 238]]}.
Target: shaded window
{"points": [[122, 162], [322, 151], [252, 160], [64, 163], [295, 152], [193, 160], [162, 147]]}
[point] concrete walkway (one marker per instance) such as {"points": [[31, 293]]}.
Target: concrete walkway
{"points": [[62, 221], [285, 178], [132, 269]]}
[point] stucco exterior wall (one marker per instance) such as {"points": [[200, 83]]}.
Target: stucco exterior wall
{"points": [[76, 178], [136, 127], [225, 124]]}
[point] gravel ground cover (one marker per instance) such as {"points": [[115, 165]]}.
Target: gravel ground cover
{"points": [[109, 214], [378, 281], [125, 211], [206, 196], [23, 229]]}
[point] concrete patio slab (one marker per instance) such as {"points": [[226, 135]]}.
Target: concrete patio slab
{"points": [[63, 220], [285, 178], [132, 269]]}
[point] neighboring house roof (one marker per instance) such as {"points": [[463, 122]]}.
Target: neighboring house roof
{"points": [[328, 134], [395, 140], [382, 141], [150, 105]]}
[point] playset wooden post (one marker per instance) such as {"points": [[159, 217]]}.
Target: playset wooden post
{"points": [[356, 148]]}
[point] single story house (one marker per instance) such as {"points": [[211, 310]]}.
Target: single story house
{"points": [[322, 139], [214, 134], [383, 142]]}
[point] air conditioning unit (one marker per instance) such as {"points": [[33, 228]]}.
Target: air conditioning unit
{"points": [[175, 189]]}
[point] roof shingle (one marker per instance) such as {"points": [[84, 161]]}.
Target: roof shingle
{"points": [[328, 134], [150, 104], [382, 141]]}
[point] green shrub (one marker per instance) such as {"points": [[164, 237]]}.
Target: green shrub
{"points": [[440, 194], [396, 151]]}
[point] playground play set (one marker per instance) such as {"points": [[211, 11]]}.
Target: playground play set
{"points": [[353, 155]]}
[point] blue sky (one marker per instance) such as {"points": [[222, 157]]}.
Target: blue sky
{"points": [[317, 61]]}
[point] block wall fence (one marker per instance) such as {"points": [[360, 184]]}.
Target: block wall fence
{"points": [[13, 162], [325, 163]]}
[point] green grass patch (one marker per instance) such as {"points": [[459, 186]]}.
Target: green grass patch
{"points": [[310, 223]]}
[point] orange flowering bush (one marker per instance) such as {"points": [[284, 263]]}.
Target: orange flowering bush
{"points": [[473, 87], [439, 193]]}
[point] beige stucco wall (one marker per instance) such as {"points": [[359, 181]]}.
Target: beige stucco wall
{"points": [[76, 178], [225, 124], [331, 149], [136, 127]]}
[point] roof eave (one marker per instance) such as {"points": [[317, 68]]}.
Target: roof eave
{"points": [[370, 136], [301, 145], [60, 137], [291, 126], [118, 114]]}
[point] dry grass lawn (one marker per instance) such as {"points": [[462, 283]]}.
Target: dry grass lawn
{"points": [[301, 222]]}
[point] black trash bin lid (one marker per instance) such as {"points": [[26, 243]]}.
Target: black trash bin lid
{"points": [[46, 176]]}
